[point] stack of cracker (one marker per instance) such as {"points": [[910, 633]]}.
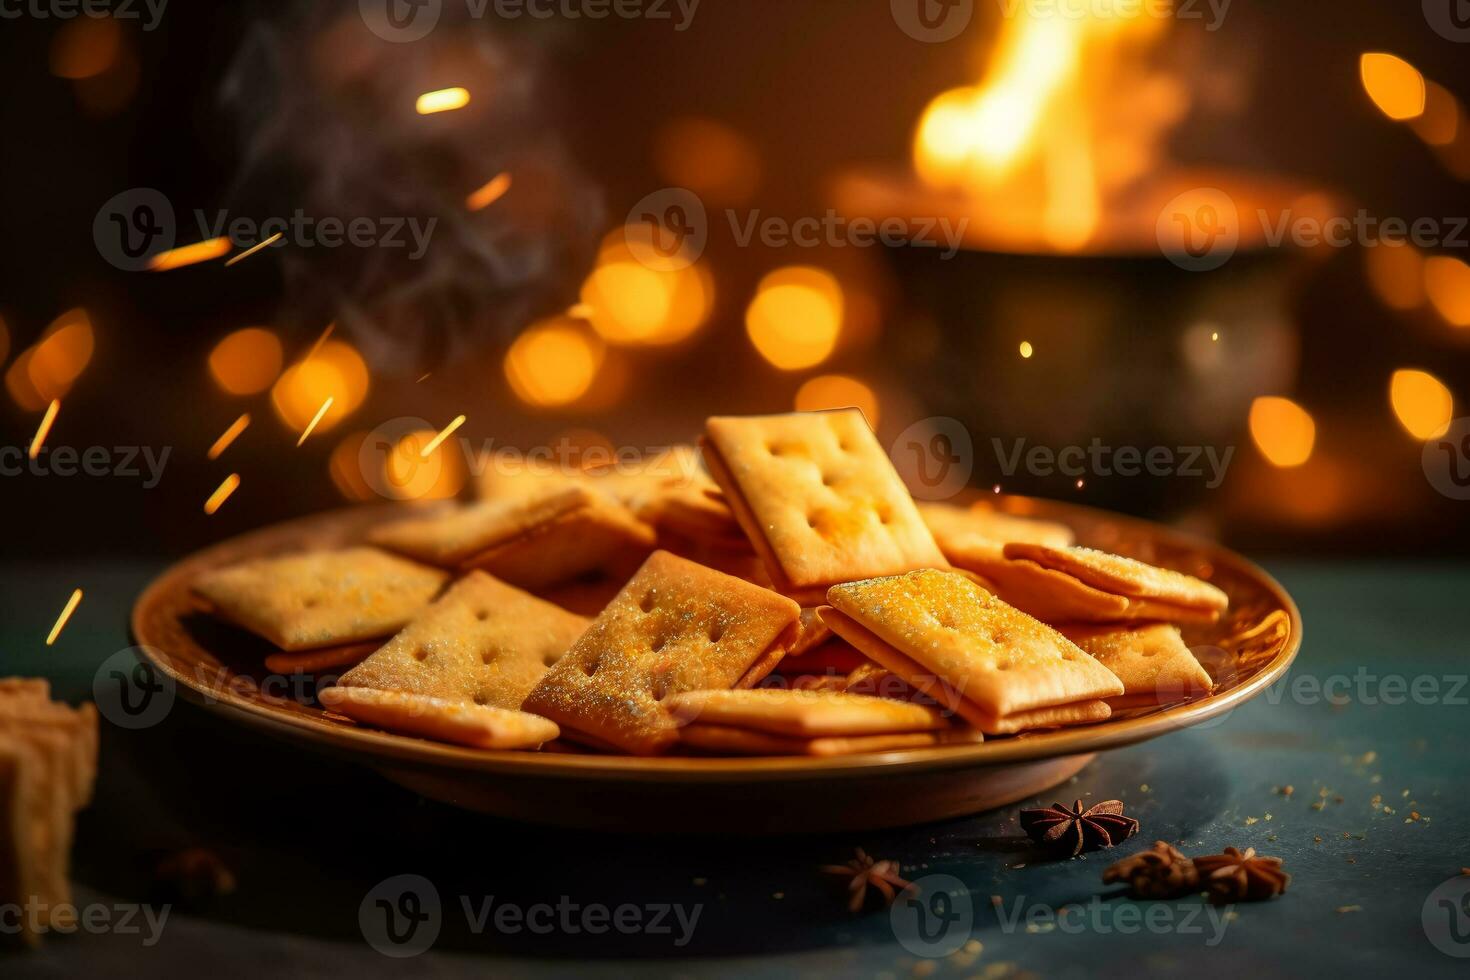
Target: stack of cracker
{"points": [[792, 600], [48, 764]]}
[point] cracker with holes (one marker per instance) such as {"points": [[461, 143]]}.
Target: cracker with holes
{"points": [[473, 725], [1000, 669], [804, 714], [321, 598], [533, 541], [671, 491], [1152, 661], [818, 498], [482, 642], [725, 740], [971, 531], [1151, 592], [675, 627]]}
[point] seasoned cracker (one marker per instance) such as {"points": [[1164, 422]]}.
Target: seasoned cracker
{"points": [[675, 627], [818, 498], [1124, 576], [965, 644], [321, 598], [474, 725], [1153, 662], [316, 661], [725, 740], [804, 714], [482, 642], [1052, 596], [25, 803], [969, 530]]}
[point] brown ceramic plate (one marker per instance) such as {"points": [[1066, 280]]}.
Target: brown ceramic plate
{"points": [[222, 669]]}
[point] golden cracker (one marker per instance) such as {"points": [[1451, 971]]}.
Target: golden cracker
{"points": [[473, 725], [24, 803], [971, 529], [804, 714], [1153, 662], [1051, 596], [482, 642], [675, 627], [725, 740], [323, 598], [818, 499], [316, 661], [1123, 576]]}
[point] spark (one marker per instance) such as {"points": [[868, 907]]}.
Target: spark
{"points": [[442, 100], [44, 429], [253, 249], [996, 488], [493, 190], [1079, 484], [71, 607], [319, 341], [1215, 335], [229, 436], [177, 258], [314, 420], [423, 377], [1026, 349], [220, 495], [438, 440]]}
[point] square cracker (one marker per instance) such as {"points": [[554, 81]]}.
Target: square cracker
{"points": [[24, 804], [986, 652], [977, 529], [1124, 576], [48, 828], [727, 740], [818, 499], [534, 542], [473, 725], [675, 627], [804, 714], [1050, 596], [321, 598], [1152, 661], [483, 642]]}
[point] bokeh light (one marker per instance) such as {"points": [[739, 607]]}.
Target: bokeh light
{"points": [[553, 363], [334, 371], [442, 100], [1396, 273], [1394, 85], [1439, 124], [410, 475], [247, 361], [795, 318], [1283, 431], [709, 157], [1026, 349], [4, 340], [1422, 403], [46, 370], [345, 468], [837, 391], [85, 47], [1447, 281], [628, 302]]}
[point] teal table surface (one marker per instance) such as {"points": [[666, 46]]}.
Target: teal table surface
{"points": [[1369, 731]]}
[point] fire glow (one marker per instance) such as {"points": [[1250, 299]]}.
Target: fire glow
{"points": [[1042, 142]]}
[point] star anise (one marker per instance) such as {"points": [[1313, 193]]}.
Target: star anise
{"points": [[1159, 872], [864, 871], [1076, 830], [1241, 876]]}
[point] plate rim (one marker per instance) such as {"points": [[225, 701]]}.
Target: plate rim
{"points": [[383, 750]]}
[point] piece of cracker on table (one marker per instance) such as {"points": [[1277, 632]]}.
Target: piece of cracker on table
{"points": [[818, 498], [1152, 661], [533, 541], [967, 649], [321, 598], [473, 725], [676, 626], [483, 642]]}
